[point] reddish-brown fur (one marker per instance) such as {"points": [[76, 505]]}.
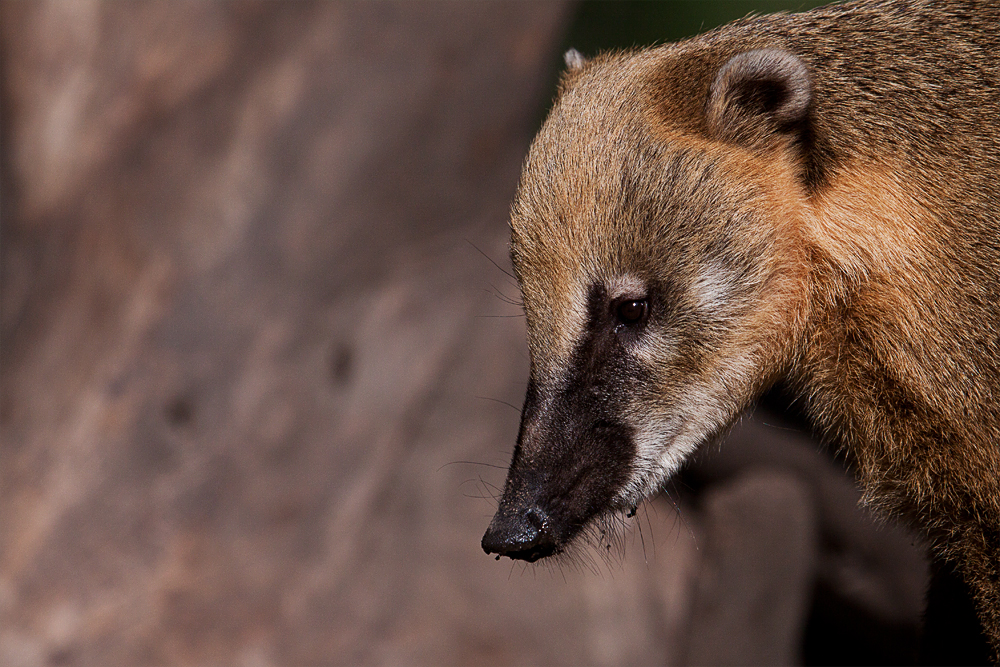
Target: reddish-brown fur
{"points": [[865, 231]]}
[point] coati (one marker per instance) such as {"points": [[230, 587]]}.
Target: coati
{"points": [[808, 198]]}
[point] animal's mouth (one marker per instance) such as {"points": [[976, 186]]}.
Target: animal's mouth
{"points": [[527, 555]]}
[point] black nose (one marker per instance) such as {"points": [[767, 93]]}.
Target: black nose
{"points": [[525, 535]]}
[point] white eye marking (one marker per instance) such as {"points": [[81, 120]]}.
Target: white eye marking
{"points": [[661, 447], [627, 286], [665, 436], [656, 458], [712, 288]]}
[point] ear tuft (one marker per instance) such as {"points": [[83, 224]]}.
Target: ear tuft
{"points": [[757, 94], [574, 60]]}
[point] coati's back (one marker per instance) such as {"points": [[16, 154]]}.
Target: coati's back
{"points": [[804, 197]]}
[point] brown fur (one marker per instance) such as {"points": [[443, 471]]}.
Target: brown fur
{"points": [[866, 238]]}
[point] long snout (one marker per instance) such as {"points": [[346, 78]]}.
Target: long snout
{"points": [[569, 462]]}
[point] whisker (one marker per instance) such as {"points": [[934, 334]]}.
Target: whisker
{"points": [[490, 484], [494, 291], [642, 540], [473, 463], [486, 492], [497, 292], [683, 519], [503, 270], [477, 497], [652, 539], [497, 400]]}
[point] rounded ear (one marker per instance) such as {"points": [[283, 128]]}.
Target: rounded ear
{"points": [[757, 94]]}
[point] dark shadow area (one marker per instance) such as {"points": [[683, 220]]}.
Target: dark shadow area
{"points": [[952, 633], [840, 631], [601, 25]]}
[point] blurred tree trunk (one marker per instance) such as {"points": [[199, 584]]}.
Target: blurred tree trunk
{"points": [[241, 336]]}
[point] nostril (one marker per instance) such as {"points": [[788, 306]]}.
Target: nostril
{"points": [[523, 535], [536, 518]]}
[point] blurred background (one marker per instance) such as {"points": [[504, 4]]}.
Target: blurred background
{"points": [[262, 364]]}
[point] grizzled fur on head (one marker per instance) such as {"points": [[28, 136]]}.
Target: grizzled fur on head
{"points": [[613, 198], [802, 197]]}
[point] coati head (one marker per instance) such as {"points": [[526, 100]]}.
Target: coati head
{"points": [[654, 240]]}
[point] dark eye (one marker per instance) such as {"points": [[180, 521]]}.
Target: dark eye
{"points": [[632, 312]]}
